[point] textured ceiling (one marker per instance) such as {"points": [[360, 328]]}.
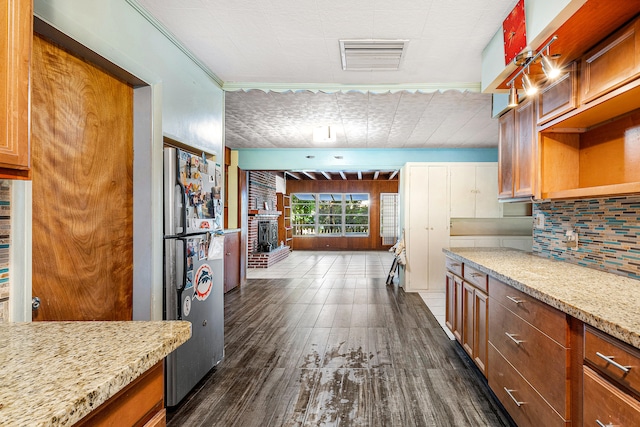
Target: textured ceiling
{"points": [[294, 44], [258, 119]]}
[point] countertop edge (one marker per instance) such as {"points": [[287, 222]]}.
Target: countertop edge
{"points": [[628, 336]]}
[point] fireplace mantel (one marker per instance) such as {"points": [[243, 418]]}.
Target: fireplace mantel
{"points": [[263, 212]]}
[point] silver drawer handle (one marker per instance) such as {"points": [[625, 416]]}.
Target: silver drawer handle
{"points": [[513, 398], [512, 336], [609, 359], [477, 274], [455, 265], [514, 299]]}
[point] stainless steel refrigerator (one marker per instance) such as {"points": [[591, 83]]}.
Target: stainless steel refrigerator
{"points": [[193, 281]]}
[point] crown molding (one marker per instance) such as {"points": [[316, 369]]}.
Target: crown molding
{"points": [[165, 32], [331, 87]]}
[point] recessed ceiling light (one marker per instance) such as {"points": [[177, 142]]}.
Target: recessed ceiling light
{"points": [[324, 134], [338, 157], [311, 157]]}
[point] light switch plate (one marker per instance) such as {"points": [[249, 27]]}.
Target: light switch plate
{"points": [[539, 221]]}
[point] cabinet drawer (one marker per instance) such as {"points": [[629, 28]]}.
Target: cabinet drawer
{"points": [[476, 278], [539, 359], [454, 266], [598, 346], [606, 405], [544, 317], [525, 406], [611, 64]]}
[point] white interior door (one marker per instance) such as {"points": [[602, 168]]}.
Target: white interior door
{"points": [[418, 233], [438, 227], [463, 184], [487, 205]]}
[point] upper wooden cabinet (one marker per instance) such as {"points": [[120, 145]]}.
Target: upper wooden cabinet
{"points": [[16, 19], [612, 63], [559, 97], [517, 152]]}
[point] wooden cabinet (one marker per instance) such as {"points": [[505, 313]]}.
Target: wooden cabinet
{"points": [[606, 405], [536, 359], [559, 97], [467, 310], [590, 150], [231, 260], [474, 191], [612, 63], [141, 403], [517, 152], [506, 144], [16, 19], [424, 194], [285, 228], [611, 381]]}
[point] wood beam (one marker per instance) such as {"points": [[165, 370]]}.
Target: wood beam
{"points": [[375, 175], [308, 174], [393, 174], [344, 177], [294, 175], [326, 175], [360, 175]]}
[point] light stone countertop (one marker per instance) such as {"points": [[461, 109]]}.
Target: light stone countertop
{"points": [[55, 373], [606, 301]]}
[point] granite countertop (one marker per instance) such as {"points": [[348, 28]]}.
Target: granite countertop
{"points": [[55, 373], [603, 300]]}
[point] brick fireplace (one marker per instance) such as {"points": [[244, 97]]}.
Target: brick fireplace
{"points": [[264, 248]]}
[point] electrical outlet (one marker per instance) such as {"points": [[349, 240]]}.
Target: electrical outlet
{"points": [[539, 221]]}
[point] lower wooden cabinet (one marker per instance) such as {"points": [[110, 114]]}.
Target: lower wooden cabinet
{"points": [[466, 314], [141, 403], [606, 405]]}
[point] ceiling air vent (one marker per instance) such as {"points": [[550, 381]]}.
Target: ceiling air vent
{"points": [[372, 55]]}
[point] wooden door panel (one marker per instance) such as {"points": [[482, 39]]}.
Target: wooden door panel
{"points": [[82, 137]]}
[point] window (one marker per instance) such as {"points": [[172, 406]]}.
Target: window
{"points": [[330, 214]]}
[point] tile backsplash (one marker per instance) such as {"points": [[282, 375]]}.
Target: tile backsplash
{"points": [[5, 232], [608, 233]]}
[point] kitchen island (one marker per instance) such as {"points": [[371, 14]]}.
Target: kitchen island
{"points": [[57, 373], [606, 301]]}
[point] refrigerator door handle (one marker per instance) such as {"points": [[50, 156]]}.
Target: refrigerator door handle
{"points": [[183, 193], [179, 289]]}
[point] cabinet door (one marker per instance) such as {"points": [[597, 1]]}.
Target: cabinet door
{"points": [[15, 21], [458, 317], [463, 195], [417, 228], [467, 317], [487, 205], [450, 302], [526, 148], [480, 330], [438, 226], [506, 144], [611, 64]]}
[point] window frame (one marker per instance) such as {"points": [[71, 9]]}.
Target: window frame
{"points": [[323, 210]]}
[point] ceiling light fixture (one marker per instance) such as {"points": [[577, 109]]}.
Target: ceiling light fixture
{"points": [[525, 59], [550, 66], [529, 87], [513, 96], [324, 134]]}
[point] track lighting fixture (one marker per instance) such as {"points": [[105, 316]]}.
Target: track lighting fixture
{"points": [[529, 87], [525, 59], [513, 96], [550, 66]]}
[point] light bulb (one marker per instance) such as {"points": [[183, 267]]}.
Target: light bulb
{"points": [[550, 67], [529, 87]]}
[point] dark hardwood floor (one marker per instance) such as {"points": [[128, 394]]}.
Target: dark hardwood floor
{"points": [[353, 352]]}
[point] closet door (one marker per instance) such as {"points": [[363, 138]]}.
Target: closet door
{"points": [[418, 232], [438, 227]]}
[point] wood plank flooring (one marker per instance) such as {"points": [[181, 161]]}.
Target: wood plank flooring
{"points": [[336, 351]]}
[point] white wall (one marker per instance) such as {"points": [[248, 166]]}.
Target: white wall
{"points": [[185, 103]]}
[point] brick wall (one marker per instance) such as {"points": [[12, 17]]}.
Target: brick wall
{"points": [[608, 233]]}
